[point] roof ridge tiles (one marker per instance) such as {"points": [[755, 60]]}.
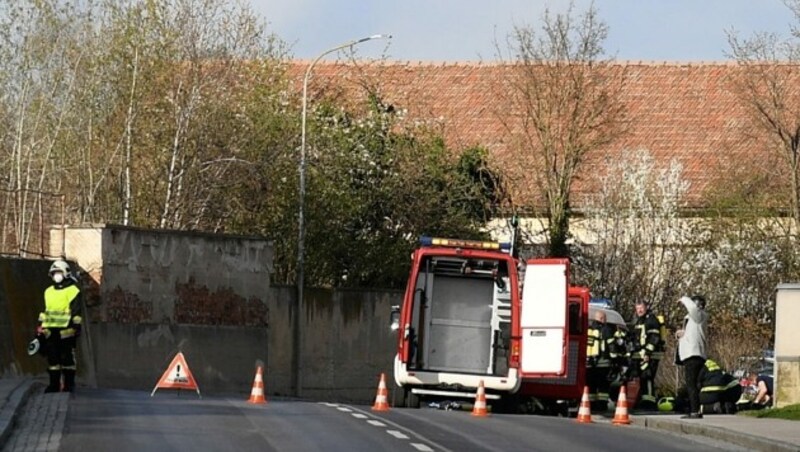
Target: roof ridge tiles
{"points": [[493, 63]]}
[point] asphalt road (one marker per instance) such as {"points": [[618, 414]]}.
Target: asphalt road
{"points": [[117, 420]]}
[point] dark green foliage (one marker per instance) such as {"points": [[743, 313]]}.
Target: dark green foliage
{"points": [[373, 190]]}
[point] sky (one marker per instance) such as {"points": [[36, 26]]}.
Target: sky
{"points": [[466, 30]]}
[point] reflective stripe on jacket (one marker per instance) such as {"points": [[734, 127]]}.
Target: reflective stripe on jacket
{"points": [[647, 336], [57, 304], [597, 339]]}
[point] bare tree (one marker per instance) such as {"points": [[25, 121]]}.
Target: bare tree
{"points": [[214, 41], [178, 72], [563, 99], [39, 62], [767, 86], [641, 248]]}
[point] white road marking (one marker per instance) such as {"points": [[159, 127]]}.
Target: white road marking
{"points": [[396, 434], [360, 414]]}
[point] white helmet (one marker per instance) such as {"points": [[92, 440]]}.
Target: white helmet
{"points": [[59, 266], [33, 347]]}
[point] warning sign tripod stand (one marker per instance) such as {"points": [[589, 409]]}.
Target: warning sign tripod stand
{"points": [[177, 376]]}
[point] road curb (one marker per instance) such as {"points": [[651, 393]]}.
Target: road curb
{"points": [[717, 433], [17, 396]]}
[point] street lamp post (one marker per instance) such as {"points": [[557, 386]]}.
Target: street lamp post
{"points": [[301, 231]]}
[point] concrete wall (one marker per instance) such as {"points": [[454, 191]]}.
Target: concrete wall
{"points": [[787, 345], [150, 294], [346, 344], [134, 356], [22, 285], [164, 292]]}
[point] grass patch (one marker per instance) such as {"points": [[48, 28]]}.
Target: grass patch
{"points": [[790, 412]]}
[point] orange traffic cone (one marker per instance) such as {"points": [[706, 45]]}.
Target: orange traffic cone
{"points": [[621, 413], [585, 411], [257, 394], [479, 409], [382, 398]]}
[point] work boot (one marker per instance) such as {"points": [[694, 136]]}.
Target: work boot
{"points": [[55, 381], [69, 380]]}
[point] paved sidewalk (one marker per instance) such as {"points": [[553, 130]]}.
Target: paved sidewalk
{"points": [[753, 433], [29, 419], [771, 435], [40, 424], [14, 392]]}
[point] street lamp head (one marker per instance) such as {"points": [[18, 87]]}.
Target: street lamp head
{"points": [[369, 38]]}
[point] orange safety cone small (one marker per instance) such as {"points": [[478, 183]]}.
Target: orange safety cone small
{"points": [[257, 393], [585, 411], [382, 398], [479, 409], [621, 413]]}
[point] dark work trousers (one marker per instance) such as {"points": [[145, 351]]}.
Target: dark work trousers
{"points": [[692, 367], [647, 387], [60, 360], [60, 352], [599, 387]]}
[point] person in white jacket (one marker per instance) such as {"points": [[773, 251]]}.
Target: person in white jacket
{"points": [[692, 349]]}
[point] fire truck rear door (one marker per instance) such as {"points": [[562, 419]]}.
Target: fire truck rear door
{"points": [[543, 319]]}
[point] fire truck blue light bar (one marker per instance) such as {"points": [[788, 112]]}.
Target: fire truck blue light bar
{"points": [[458, 243]]}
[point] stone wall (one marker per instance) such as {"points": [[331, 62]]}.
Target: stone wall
{"points": [[151, 294], [22, 285]]}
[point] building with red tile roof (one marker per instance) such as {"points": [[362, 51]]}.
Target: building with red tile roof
{"points": [[689, 112]]}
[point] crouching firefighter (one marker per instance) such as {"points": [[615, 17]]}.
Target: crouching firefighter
{"points": [[719, 390], [60, 326], [598, 361]]}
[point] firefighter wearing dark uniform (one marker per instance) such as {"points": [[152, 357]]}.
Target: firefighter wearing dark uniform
{"points": [[598, 366], [719, 390], [648, 349], [620, 359], [59, 326]]}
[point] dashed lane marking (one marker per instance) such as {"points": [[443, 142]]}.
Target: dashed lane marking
{"points": [[411, 433], [358, 415], [396, 434], [346, 410]]}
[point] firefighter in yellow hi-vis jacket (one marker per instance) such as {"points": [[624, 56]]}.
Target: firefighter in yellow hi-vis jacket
{"points": [[598, 361], [60, 326], [648, 351]]}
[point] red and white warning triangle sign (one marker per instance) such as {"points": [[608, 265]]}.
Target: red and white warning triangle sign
{"points": [[177, 376]]}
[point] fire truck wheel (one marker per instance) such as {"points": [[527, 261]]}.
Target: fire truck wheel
{"points": [[398, 397], [507, 404], [412, 400]]}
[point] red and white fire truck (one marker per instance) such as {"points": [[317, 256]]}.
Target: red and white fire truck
{"points": [[472, 312]]}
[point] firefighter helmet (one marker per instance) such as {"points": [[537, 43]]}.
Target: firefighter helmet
{"points": [[666, 404], [33, 347], [59, 266]]}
